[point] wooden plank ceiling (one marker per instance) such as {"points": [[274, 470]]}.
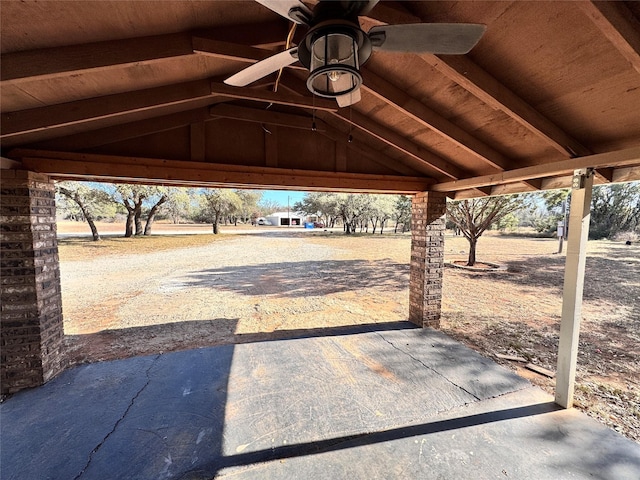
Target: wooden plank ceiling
{"points": [[132, 91]]}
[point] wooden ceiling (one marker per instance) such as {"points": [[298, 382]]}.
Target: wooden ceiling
{"points": [[132, 91]]}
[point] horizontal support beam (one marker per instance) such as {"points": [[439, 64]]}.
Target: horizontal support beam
{"points": [[271, 118], [17, 124], [49, 62], [268, 117], [125, 131], [174, 172], [280, 98], [621, 158]]}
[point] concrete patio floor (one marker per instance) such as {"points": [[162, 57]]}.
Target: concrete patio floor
{"points": [[383, 401]]}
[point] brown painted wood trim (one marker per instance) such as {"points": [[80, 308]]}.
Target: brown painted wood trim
{"points": [[173, 172], [620, 158]]}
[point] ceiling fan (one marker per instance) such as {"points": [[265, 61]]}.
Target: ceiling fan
{"points": [[334, 47]]}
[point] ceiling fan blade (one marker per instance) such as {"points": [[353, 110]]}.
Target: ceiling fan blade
{"points": [[349, 98], [290, 9], [263, 68], [439, 38]]}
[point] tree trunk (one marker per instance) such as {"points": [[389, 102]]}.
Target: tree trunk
{"points": [[85, 212], [472, 251], [152, 214], [215, 227], [128, 231], [138, 219]]}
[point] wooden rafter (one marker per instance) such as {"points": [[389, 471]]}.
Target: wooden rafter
{"points": [[618, 24], [112, 168], [623, 158], [48, 62], [271, 118], [42, 123], [17, 125], [72, 59], [414, 109], [126, 131], [466, 73], [415, 156]]}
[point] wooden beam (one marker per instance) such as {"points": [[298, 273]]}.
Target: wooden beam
{"points": [[270, 117], [271, 147], [96, 56], [279, 98], [232, 51], [49, 62], [172, 172], [630, 174], [266, 35], [401, 101], [198, 142], [619, 25], [341, 157], [464, 72], [414, 156], [17, 125], [620, 158], [418, 157], [126, 131], [572, 292]]}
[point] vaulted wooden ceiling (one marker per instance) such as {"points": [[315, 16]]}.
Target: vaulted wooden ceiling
{"points": [[133, 91]]}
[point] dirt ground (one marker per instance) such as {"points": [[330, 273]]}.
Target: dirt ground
{"points": [[127, 297]]}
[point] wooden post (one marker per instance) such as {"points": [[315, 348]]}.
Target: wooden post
{"points": [[573, 286]]}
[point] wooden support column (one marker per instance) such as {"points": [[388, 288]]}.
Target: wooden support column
{"points": [[427, 258], [573, 286], [31, 329]]}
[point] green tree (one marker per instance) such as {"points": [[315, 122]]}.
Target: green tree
{"points": [[217, 203], [402, 213], [180, 204], [134, 198], [381, 210], [322, 204], [475, 216], [614, 209], [249, 200], [90, 201], [351, 207]]}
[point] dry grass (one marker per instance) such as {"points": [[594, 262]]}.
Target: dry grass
{"points": [[80, 248]]}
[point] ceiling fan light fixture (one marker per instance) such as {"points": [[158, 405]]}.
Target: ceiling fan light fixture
{"points": [[334, 63]]}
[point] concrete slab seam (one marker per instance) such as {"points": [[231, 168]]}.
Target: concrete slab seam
{"points": [[122, 417], [427, 366]]}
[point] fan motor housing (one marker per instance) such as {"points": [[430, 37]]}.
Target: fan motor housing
{"points": [[335, 26]]}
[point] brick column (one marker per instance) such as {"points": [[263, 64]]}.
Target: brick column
{"points": [[427, 258], [31, 329]]}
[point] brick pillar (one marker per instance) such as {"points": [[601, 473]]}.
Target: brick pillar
{"points": [[427, 258], [31, 329]]}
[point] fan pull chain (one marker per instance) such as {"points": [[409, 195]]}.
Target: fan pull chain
{"points": [[350, 137]]}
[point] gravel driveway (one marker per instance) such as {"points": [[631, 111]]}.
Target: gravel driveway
{"points": [[118, 306]]}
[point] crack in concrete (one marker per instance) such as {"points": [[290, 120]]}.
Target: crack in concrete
{"points": [[427, 366], [115, 426]]}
